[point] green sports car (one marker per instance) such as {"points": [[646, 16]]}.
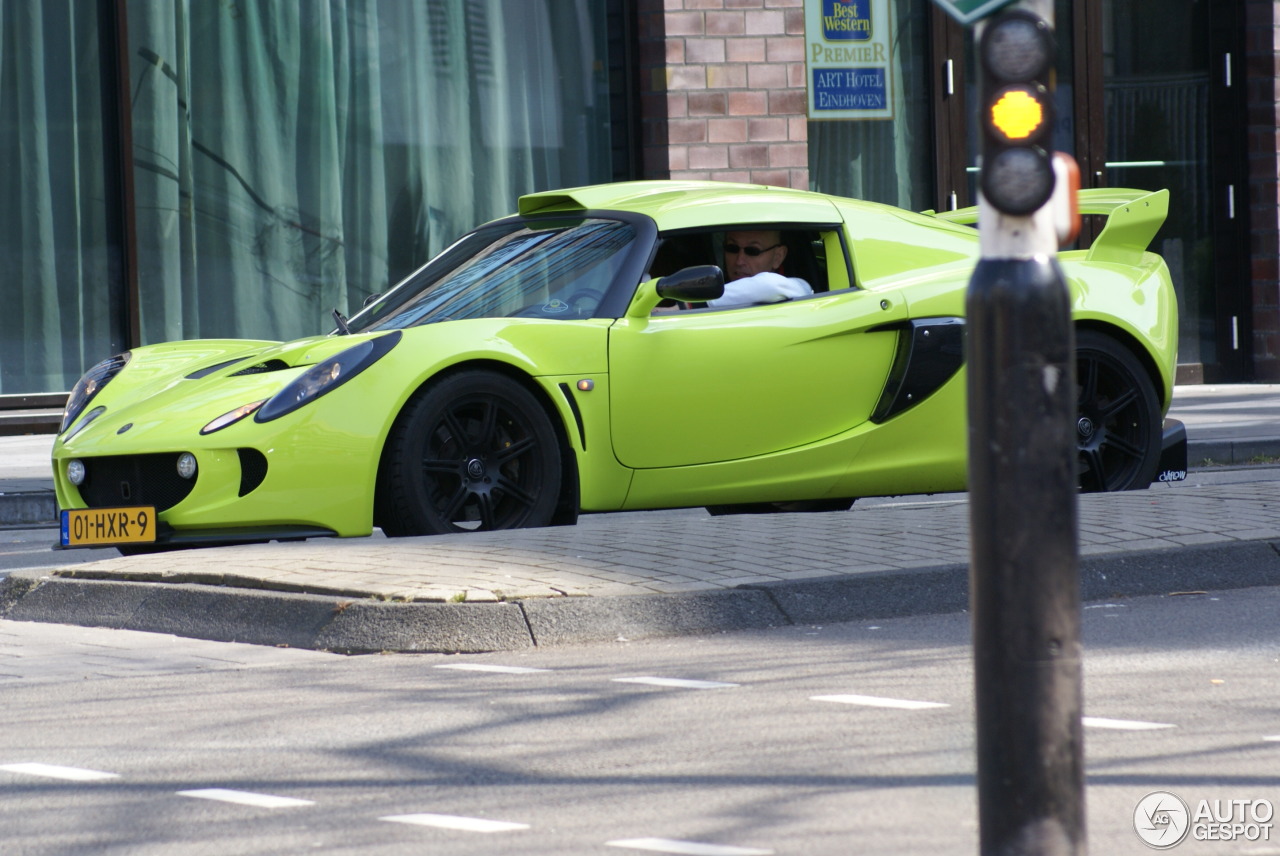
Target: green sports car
{"points": [[574, 357]]}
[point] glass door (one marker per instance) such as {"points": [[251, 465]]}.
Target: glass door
{"points": [[1146, 98], [1156, 93]]}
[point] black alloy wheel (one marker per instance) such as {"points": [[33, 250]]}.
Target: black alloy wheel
{"points": [[474, 451], [1118, 426]]}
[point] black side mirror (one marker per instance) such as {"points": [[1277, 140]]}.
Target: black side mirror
{"points": [[696, 284]]}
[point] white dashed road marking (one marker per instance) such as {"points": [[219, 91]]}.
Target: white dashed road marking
{"points": [[679, 683], [1122, 724], [449, 821], [485, 667], [52, 771], [688, 848], [876, 701], [245, 798]]}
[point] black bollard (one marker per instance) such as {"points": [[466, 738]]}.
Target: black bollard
{"points": [[1024, 586]]}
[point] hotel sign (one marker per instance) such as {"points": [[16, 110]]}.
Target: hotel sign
{"points": [[848, 50]]}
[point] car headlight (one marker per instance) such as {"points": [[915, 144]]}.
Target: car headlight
{"points": [[90, 385], [232, 417], [326, 376]]}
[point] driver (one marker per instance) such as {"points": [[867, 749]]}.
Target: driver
{"points": [[753, 261]]}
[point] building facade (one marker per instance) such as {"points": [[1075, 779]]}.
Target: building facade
{"points": [[1150, 94], [227, 168]]}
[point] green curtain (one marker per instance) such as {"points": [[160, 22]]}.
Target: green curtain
{"points": [[54, 264], [299, 157], [290, 157]]}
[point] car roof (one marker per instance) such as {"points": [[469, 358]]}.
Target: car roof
{"points": [[686, 204]]}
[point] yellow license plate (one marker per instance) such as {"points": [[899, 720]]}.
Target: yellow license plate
{"points": [[86, 527]]}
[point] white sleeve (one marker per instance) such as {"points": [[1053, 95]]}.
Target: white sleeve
{"points": [[767, 287]]}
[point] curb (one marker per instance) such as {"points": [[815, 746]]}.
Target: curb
{"points": [[348, 626], [1231, 452], [28, 508]]}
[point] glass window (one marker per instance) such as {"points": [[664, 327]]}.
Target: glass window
{"points": [[293, 158], [55, 262], [510, 269], [885, 160]]}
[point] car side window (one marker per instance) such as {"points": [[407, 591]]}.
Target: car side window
{"points": [[806, 256]]}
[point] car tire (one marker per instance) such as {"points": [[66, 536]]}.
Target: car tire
{"points": [[473, 451], [806, 505], [1118, 424]]}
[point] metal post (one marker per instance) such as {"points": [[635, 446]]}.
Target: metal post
{"points": [[1024, 587]]}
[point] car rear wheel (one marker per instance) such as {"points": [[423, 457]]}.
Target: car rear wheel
{"points": [[1118, 416], [474, 451]]}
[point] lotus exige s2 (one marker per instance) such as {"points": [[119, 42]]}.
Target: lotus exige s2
{"points": [[529, 373]]}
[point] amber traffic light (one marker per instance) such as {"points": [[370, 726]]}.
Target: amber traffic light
{"points": [[1017, 54]]}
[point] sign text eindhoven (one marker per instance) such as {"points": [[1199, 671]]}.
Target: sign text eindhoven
{"points": [[969, 11], [849, 44]]}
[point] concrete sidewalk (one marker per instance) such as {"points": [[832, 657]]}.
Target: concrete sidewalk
{"points": [[664, 573]]}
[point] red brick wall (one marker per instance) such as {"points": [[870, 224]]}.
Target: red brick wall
{"points": [[724, 90], [1262, 23]]}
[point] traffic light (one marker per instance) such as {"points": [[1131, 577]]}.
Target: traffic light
{"points": [[1017, 51]]}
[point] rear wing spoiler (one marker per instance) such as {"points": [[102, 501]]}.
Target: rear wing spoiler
{"points": [[1133, 218]]}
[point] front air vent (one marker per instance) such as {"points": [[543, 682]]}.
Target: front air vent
{"points": [[253, 470], [260, 368]]}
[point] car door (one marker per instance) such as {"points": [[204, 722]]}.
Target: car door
{"points": [[707, 386]]}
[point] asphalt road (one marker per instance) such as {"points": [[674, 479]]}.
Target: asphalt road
{"points": [[745, 743], [32, 548]]}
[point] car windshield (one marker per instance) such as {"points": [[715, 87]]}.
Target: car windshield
{"points": [[542, 270]]}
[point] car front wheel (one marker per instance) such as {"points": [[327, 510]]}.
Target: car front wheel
{"points": [[473, 451], [1118, 416]]}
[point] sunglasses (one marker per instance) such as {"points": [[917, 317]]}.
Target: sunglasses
{"points": [[734, 249]]}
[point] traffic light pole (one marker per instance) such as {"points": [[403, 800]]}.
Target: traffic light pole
{"points": [[1024, 587]]}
